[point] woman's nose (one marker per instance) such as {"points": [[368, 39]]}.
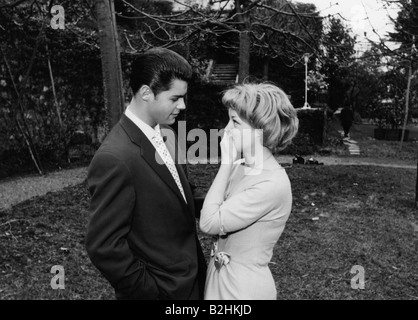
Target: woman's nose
{"points": [[229, 126]]}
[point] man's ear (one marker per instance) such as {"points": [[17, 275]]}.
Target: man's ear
{"points": [[145, 92]]}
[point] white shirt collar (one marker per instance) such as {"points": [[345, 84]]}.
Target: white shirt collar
{"points": [[145, 128]]}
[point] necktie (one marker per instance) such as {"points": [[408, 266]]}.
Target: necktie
{"points": [[165, 155]]}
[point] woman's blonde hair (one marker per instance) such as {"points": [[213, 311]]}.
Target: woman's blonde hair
{"points": [[267, 107]]}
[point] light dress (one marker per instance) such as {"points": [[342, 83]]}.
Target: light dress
{"points": [[249, 223]]}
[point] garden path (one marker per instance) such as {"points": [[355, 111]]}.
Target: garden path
{"points": [[18, 189], [352, 145]]}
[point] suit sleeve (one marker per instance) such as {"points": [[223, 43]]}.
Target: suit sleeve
{"points": [[112, 203]]}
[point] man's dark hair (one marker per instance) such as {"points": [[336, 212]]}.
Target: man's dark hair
{"points": [[157, 68]]}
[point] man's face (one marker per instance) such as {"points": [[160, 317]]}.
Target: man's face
{"points": [[165, 107]]}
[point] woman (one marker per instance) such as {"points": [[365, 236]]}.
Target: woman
{"points": [[250, 199]]}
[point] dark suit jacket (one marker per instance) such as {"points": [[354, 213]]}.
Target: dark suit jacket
{"points": [[346, 116], [142, 234]]}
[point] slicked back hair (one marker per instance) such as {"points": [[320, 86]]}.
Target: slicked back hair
{"points": [[158, 68]]}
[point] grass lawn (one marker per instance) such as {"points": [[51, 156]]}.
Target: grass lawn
{"points": [[366, 218], [381, 151], [390, 150]]}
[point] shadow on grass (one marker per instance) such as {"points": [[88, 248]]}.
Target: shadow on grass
{"points": [[365, 217]]}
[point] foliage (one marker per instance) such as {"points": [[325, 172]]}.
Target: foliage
{"points": [[134, 30], [32, 49], [400, 63], [316, 81], [406, 24], [310, 136], [387, 114], [289, 31], [387, 107], [317, 86], [278, 30], [281, 32], [339, 50], [406, 56], [365, 79]]}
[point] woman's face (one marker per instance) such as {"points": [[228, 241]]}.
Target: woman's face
{"points": [[243, 135]]}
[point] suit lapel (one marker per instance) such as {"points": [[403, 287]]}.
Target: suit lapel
{"points": [[152, 157], [177, 156], [186, 188]]}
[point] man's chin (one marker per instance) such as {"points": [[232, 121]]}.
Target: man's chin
{"points": [[168, 121], [171, 120]]}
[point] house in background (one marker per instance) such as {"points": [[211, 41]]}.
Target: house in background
{"points": [[224, 57], [223, 64]]}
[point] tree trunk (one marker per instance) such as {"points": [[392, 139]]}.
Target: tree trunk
{"points": [[111, 65], [405, 121], [408, 89], [416, 189], [244, 55], [244, 40], [51, 75]]}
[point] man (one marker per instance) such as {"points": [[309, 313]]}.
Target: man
{"points": [[142, 233], [346, 118]]}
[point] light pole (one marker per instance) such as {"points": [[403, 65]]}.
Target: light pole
{"points": [[306, 59]]}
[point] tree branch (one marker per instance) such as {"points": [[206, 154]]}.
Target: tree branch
{"points": [[15, 4]]}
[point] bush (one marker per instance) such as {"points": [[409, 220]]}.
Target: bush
{"points": [[78, 88], [388, 113], [311, 134]]}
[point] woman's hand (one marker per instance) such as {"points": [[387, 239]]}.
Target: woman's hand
{"points": [[229, 153]]}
